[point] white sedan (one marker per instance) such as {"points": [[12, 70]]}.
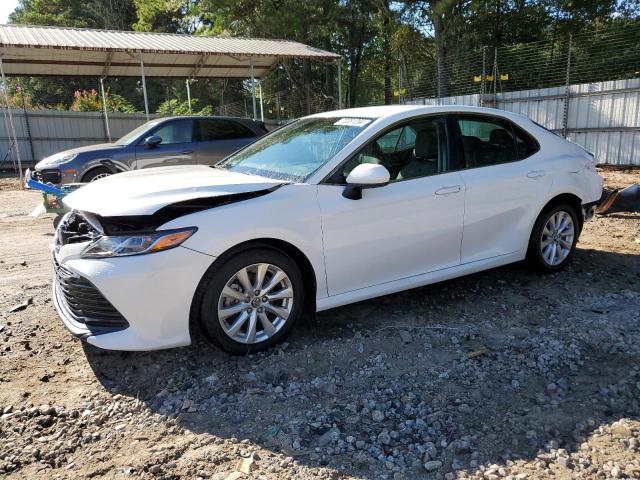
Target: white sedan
{"points": [[331, 209]]}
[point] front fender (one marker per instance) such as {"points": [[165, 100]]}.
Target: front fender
{"points": [[290, 214]]}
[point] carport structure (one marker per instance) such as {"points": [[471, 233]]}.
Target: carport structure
{"points": [[59, 52]]}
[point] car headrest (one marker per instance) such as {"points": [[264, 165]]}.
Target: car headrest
{"points": [[501, 137], [426, 146]]}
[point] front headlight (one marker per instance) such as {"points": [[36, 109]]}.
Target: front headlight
{"points": [[57, 159], [124, 245]]}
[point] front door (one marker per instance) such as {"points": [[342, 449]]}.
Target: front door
{"points": [[176, 148], [409, 227]]}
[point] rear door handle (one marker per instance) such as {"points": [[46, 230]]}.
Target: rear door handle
{"points": [[448, 190], [187, 152], [536, 173]]}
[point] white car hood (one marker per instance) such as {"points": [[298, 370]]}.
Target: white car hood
{"points": [[144, 192]]}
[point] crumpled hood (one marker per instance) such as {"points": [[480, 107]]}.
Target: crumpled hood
{"points": [[144, 192]]}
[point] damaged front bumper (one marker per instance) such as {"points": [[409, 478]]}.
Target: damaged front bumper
{"points": [[146, 298]]}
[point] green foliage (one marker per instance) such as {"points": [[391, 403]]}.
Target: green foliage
{"points": [[117, 103], [177, 107]]}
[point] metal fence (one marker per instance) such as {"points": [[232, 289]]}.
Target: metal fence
{"points": [[42, 133], [603, 117]]}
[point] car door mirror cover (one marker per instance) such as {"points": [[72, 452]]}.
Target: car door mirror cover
{"points": [[152, 141], [365, 175]]}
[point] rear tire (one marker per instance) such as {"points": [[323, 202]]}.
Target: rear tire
{"points": [[242, 320], [96, 174], [553, 238]]}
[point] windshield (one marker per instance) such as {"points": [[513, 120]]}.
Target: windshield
{"points": [[295, 151], [135, 133]]}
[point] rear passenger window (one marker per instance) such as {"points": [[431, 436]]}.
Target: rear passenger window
{"points": [[215, 129], [486, 141], [525, 143], [491, 141]]}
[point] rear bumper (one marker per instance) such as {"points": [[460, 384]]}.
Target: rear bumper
{"points": [[589, 210]]}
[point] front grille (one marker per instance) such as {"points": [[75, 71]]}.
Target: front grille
{"points": [[84, 302], [47, 176]]}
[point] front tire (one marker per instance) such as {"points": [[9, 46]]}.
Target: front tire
{"points": [[96, 174], [553, 239], [250, 301]]}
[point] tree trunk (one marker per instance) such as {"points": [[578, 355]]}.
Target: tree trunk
{"points": [[306, 75], [441, 73]]}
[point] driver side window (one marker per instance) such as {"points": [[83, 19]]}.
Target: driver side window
{"points": [[411, 150], [176, 131]]}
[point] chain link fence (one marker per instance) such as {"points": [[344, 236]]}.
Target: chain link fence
{"points": [[600, 55], [596, 56]]}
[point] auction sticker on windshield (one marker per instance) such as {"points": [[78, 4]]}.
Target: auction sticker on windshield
{"points": [[353, 122]]}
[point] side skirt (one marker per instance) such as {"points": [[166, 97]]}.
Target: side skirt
{"points": [[416, 281]]}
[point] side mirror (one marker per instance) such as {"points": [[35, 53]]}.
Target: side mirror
{"points": [[365, 175], [152, 141]]}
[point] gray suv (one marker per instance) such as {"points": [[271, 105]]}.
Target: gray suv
{"points": [[160, 142]]}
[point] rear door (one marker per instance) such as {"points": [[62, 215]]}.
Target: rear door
{"points": [[506, 184], [217, 138], [176, 147]]}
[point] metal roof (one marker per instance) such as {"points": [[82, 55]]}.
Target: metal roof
{"points": [[59, 51]]}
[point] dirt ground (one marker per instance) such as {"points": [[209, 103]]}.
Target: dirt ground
{"points": [[505, 373]]}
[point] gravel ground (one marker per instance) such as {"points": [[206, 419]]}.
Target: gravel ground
{"points": [[501, 374]]}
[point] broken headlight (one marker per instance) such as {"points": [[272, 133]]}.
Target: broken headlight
{"points": [[137, 244]]}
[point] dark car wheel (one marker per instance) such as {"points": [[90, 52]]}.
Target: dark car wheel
{"points": [[553, 239], [96, 174], [251, 301]]}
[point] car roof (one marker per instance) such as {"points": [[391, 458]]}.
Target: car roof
{"points": [[384, 111], [212, 117]]}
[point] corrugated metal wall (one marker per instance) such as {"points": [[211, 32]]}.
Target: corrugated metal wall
{"points": [[603, 117], [54, 131]]}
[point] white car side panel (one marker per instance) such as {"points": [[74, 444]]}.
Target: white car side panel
{"points": [[392, 232], [417, 281], [500, 202], [290, 214], [153, 292]]}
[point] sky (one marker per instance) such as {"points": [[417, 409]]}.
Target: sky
{"points": [[6, 7]]}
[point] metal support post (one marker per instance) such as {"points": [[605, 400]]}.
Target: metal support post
{"points": [[261, 103], [13, 130], [253, 90], [567, 93], [104, 110], [187, 82], [144, 88]]}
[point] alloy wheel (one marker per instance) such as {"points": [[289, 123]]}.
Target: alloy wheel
{"points": [[557, 238], [99, 176], [255, 303]]}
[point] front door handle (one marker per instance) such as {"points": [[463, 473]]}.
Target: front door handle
{"points": [[536, 174], [187, 152], [448, 190]]}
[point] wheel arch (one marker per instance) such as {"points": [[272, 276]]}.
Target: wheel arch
{"points": [[106, 163], [282, 246], [569, 198]]}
